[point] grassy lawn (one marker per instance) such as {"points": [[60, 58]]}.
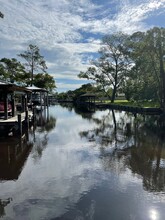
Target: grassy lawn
{"points": [[147, 104]]}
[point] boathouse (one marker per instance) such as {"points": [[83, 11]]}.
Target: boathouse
{"points": [[11, 96], [87, 98], [39, 96], [14, 108]]}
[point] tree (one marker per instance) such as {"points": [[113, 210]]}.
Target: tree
{"points": [[147, 76], [2, 72], [155, 39], [110, 69], [34, 61], [13, 71], [44, 80]]}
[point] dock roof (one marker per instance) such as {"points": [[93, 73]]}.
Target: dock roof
{"points": [[10, 87], [36, 89]]}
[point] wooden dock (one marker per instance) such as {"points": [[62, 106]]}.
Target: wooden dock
{"points": [[13, 120], [17, 121], [16, 103]]}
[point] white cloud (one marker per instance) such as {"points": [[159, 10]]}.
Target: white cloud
{"points": [[67, 86], [66, 75], [69, 29], [129, 18], [69, 61]]}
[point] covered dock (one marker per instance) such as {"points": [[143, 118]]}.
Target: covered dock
{"points": [[39, 96], [87, 98], [11, 96]]}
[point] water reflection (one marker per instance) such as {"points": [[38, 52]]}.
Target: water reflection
{"points": [[43, 125], [130, 142], [89, 165], [109, 131], [3, 204], [86, 111], [14, 151], [13, 155], [44, 122], [147, 158]]}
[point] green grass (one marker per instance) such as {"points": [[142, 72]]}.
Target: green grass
{"points": [[146, 104], [122, 101]]}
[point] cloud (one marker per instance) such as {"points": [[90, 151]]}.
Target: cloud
{"points": [[68, 32], [129, 17], [60, 21], [71, 58], [67, 86]]}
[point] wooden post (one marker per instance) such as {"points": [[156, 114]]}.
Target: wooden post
{"points": [[5, 106], [23, 103], [27, 118], [41, 100], [44, 101], [47, 113], [26, 104], [34, 113], [19, 124], [47, 100], [13, 105]]}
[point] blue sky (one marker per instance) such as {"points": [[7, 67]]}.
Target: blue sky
{"points": [[69, 32]]}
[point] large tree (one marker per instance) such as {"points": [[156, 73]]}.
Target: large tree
{"points": [[13, 71], [110, 69], [34, 61], [147, 77], [44, 80], [155, 39]]}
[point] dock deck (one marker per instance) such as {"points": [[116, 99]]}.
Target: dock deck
{"points": [[14, 120]]}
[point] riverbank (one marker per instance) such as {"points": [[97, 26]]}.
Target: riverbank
{"points": [[123, 105], [133, 109]]}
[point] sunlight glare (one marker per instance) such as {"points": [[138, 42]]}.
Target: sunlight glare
{"points": [[153, 214]]}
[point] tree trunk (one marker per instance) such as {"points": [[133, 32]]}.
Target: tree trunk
{"points": [[162, 76], [115, 86], [113, 94]]}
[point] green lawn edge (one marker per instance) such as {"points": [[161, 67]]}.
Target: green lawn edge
{"points": [[144, 104]]}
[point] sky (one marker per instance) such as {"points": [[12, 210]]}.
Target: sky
{"points": [[69, 32]]}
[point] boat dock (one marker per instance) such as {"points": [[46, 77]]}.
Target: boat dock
{"points": [[17, 121], [17, 107]]}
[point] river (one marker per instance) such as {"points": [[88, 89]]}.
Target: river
{"points": [[84, 165]]}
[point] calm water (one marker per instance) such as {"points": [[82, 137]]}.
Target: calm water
{"points": [[75, 165]]}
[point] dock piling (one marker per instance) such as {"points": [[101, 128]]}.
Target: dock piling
{"points": [[19, 124]]}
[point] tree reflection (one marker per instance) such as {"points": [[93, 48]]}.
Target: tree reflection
{"points": [[109, 131], [44, 122], [86, 111], [13, 154], [67, 105], [15, 151], [43, 125], [135, 142], [3, 204], [147, 159], [80, 213]]}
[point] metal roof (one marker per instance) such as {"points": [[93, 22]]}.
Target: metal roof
{"points": [[36, 89]]}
